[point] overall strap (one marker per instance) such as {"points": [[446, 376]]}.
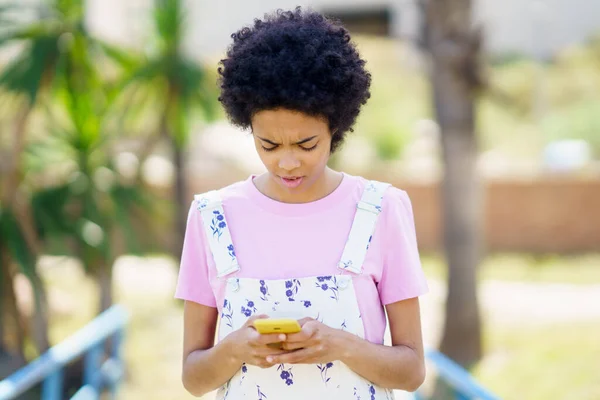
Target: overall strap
{"points": [[217, 232], [363, 226]]}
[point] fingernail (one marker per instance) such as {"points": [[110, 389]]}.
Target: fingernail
{"points": [[282, 337], [269, 359]]}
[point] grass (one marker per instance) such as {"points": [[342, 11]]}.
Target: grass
{"points": [[557, 362], [553, 362], [576, 269]]}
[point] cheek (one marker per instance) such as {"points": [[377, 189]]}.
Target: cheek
{"points": [[270, 162], [268, 159], [322, 158]]}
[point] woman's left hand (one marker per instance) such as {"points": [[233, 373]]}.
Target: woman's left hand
{"points": [[316, 343]]}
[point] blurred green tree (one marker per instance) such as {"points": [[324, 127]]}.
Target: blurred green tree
{"points": [[60, 186], [104, 210], [176, 91], [45, 34]]}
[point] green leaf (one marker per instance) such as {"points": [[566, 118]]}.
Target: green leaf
{"points": [[125, 59], [15, 242], [49, 211], [148, 72], [35, 31], [24, 74], [169, 22]]}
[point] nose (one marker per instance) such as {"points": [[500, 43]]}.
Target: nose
{"points": [[289, 161]]}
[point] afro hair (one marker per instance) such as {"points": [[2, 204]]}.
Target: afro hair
{"points": [[297, 60]]}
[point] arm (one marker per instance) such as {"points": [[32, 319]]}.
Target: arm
{"points": [[402, 282], [205, 366], [400, 366]]}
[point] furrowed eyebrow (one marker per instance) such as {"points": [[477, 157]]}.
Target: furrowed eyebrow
{"points": [[308, 139], [268, 141]]}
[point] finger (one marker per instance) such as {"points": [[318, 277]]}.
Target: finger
{"points": [[265, 352], [265, 357], [302, 356], [308, 331], [305, 320], [311, 326], [301, 336], [291, 346], [261, 362], [258, 339]]}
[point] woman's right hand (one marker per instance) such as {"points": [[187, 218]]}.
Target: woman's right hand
{"points": [[252, 348]]}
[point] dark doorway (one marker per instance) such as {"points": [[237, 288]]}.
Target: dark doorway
{"points": [[371, 21]]}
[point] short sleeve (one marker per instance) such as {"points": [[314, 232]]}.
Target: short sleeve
{"points": [[402, 276], [193, 283]]}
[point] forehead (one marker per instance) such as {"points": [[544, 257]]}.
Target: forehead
{"points": [[282, 123]]}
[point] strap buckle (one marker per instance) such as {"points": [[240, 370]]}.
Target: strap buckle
{"points": [[374, 209], [208, 203]]}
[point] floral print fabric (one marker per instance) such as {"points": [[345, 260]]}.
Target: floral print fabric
{"points": [[330, 299]]}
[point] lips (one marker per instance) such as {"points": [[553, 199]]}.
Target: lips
{"points": [[291, 181]]}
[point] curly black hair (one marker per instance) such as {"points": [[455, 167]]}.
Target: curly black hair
{"points": [[297, 60]]}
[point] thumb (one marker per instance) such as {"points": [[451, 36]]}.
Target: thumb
{"points": [[305, 320], [310, 327], [253, 318]]}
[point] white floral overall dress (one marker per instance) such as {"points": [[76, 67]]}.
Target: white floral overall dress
{"points": [[328, 299]]}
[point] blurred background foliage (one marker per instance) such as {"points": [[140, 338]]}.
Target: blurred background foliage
{"points": [[81, 123]]}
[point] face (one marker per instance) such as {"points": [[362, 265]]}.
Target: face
{"points": [[295, 149]]}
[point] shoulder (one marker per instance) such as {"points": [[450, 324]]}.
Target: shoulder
{"points": [[394, 198], [397, 212], [231, 193], [396, 208]]}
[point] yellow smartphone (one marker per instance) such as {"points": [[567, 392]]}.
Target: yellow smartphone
{"points": [[277, 325]]}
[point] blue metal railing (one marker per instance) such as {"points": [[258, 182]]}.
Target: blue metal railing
{"points": [[100, 370], [465, 387], [100, 373]]}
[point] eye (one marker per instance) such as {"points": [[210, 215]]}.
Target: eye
{"points": [[268, 148], [309, 148]]}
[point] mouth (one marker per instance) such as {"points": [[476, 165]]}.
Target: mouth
{"points": [[291, 181]]}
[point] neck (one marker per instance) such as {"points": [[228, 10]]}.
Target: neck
{"points": [[322, 187]]}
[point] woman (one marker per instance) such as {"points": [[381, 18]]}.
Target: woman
{"points": [[300, 241]]}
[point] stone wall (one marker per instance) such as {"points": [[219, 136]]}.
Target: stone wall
{"points": [[542, 215]]}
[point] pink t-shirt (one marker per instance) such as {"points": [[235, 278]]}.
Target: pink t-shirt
{"points": [[275, 240]]}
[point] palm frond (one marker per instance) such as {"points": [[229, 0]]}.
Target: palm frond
{"points": [[33, 31], [127, 200], [70, 9], [169, 23], [25, 74], [147, 72], [127, 60], [49, 211], [15, 242], [189, 77]]}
